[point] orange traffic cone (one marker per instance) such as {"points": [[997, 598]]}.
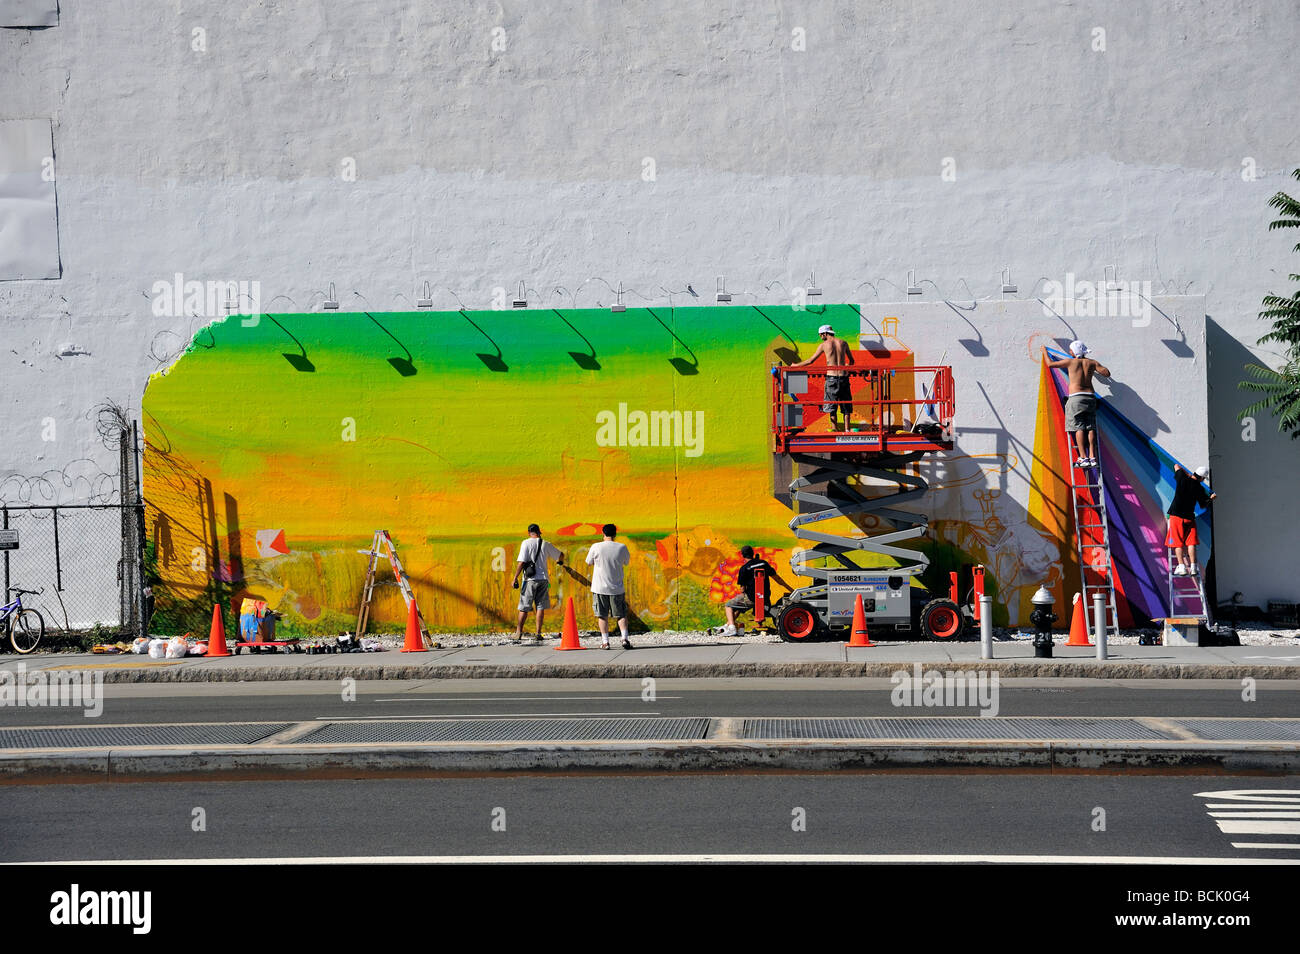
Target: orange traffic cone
{"points": [[569, 633], [860, 636], [414, 638], [217, 638], [1078, 628]]}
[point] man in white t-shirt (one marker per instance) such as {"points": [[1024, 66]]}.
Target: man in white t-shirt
{"points": [[607, 560], [536, 594]]}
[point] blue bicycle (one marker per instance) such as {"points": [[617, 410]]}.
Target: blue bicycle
{"points": [[26, 626]]}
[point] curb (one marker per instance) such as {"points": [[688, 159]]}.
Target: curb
{"points": [[1010, 669], [434, 759]]}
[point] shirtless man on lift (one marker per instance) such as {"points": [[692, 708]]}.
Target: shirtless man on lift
{"points": [[1081, 405], [838, 395]]}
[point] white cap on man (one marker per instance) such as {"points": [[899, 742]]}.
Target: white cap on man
{"points": [[826, 330], [1202, 472], [1078, 349]]}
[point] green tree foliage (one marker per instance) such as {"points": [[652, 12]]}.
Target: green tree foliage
{"points": [[1280, 389]]}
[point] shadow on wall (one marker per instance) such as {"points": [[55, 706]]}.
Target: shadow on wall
{"points": [[1242, 456], [783, 354], [974, 345], [683, 366], [494, 362], [1178, 342], [299, 361], [404, 366], [1124, 396], [583, 359], [983, 524]]}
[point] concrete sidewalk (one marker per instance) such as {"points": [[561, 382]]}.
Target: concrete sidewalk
{"points": [[706, 660]]}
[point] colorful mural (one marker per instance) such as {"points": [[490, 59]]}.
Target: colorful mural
{"points": [[1138, 482], [278, 444]]}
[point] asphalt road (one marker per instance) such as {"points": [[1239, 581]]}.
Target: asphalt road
{"points": [[1004, 816], [477, 698]]}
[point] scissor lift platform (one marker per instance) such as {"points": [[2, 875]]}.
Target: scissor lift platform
{"points": [[898, 413], [879, 421]]}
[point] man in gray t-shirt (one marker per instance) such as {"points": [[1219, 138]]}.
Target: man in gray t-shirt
{"points": [[607, 560], [536, 592]]}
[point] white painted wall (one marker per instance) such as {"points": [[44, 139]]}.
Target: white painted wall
{"points": [[477, 168]]}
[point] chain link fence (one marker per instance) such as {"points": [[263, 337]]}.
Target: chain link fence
{"points": [[76, 556], [86, 560]]}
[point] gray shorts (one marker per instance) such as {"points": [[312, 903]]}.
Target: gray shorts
{"points": [[1081, 412], [535, 594], [606, 605], [838, 392], [741, 602]]}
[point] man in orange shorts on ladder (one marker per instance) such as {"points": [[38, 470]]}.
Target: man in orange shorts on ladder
{"points": [[1181, 538]]}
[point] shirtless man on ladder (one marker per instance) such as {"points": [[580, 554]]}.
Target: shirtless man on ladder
{"points": [[1081, 405]]}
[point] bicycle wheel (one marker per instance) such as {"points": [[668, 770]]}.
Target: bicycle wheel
{"points": [[26, 630]]}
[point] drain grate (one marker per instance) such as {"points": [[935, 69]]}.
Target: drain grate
{"points": [[130, 736], [921, 727], [1249, 730], [509, 730]]}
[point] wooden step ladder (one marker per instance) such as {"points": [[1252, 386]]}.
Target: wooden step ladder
{"points": [[383, 548]]}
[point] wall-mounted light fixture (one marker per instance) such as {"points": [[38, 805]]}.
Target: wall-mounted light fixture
{"points": [[1007, 287], [521, 300], [427, 300], [812, 291], [618, 306], [331, 303], [912, 287], [1110, 277], [723, 297]]}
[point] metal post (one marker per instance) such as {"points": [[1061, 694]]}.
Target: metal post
{"points": [[1099, 623], [6, 526], [137, 540], [58, 563], [986, 627]]}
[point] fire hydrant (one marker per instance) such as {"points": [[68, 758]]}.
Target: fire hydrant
{"points": [[1042, 617]]}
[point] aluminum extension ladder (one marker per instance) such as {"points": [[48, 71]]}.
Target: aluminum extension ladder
{"points": [[384, 542], [1092, 542], [1183, 598]]}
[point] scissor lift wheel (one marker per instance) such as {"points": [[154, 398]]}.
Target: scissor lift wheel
{"points": [[798, 623], [941, 619]]}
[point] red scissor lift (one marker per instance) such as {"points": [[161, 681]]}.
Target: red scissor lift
{"points": [[899, 414]]}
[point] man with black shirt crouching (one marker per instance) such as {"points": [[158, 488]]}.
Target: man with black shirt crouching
{"points": [[745, 600]]}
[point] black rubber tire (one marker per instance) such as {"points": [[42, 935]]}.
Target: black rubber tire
{"points": [[26, 630], [799, 623], [941, 619]]}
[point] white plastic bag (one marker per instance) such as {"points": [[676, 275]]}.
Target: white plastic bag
{"points": [[177, 648], [140, 645], [157, 649]]}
